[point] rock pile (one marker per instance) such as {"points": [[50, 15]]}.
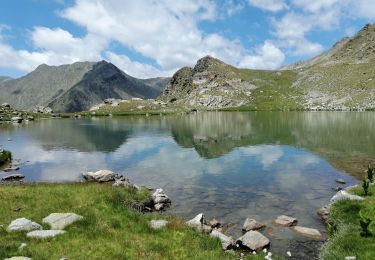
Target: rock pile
{"points": [[160, 200]]}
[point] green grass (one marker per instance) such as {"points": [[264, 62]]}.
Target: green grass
{"points": [[109, 230], [348, 241], [5, 156]]}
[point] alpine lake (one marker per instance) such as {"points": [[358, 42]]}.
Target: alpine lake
{"points": [[228, 165]]}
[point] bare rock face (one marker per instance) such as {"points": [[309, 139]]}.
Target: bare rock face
{"points": [[252, 224], [285, 221], [226, 241], [100, 176], [59, 221], [308, 232], [253, 240], [23, 224]]}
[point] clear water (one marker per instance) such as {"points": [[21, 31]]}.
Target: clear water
{"points": [[227, 165]]}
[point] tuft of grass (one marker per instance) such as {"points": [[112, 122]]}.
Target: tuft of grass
{"points": [[348, 241], [109, 230]]}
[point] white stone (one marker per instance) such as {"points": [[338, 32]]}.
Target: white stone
{"points": [[285, 221], [44, 233], [23, 224], [61, 220], [344, 195], [226, 241], [253, 240], [199, 223], [18, 258], [158, 224], [100, 176]]}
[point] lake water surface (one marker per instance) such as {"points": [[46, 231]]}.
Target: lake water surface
{"points": [[229, 165]]}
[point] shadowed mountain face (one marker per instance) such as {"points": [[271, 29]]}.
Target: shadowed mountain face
{"points": [[75, 87]]}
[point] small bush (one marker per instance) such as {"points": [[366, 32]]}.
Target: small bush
{"points": [[370, 173], [365, 186]]}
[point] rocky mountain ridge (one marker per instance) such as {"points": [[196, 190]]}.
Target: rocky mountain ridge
{"points": [[75, 87]]}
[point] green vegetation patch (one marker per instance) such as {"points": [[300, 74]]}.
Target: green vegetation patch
{"points": [[5, 156], [350, 240], [109, 230]]}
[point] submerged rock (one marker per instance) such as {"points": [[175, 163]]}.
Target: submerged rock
{"points": [[23, 224], [226, 241], [253, 240], [308, 232], [252, 224], [341, 181], [285, 221], [61, 220], [158, 224], [44, 233], [99, 176]]}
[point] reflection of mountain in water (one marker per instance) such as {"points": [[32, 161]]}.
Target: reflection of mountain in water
{"points": [[334, 135], [103, 135]]}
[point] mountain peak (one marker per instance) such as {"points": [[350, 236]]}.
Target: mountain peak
{"points": [[206, 63]]}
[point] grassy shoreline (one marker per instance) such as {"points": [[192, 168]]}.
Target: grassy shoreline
{"points": [[347, 240], [110, 230]]}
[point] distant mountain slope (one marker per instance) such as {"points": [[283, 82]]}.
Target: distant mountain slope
{"points": [[75, 87], [3, 79]]}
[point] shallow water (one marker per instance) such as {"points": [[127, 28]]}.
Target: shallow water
{"points": [[228, 165]]}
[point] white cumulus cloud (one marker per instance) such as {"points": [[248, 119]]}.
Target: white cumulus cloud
{"points": [[269, 5]]}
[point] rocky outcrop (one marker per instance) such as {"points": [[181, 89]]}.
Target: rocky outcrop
{"points": [[23, 224], [253, 240], [285, 221], [59, 221], [160, 200]]}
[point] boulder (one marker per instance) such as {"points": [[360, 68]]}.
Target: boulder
{"points": [[158, 224], [253, 240], [226, 241], [344, 195], [308, 232], [341, 181], [199, 223], [13, 177], [285, 221], [252, 224], [44, 233], [61, 220], [160, 200], [23, 224], [16, 119], [323, 213], [100, 176]]}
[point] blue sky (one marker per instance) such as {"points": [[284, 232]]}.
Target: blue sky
{"points": [[148, 38]]}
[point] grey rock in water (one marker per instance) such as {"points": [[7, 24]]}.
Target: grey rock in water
{"points": [[253, 240], [99, 176], [160, 200], [308, 232], [23, 224], [44, 233], [285, 221], [341, 181], [59, 221], [13, 177], [158, 224], [214, 223], [344, 195], [16, 119], [252, 224], [226, 241], [323, 213]]}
